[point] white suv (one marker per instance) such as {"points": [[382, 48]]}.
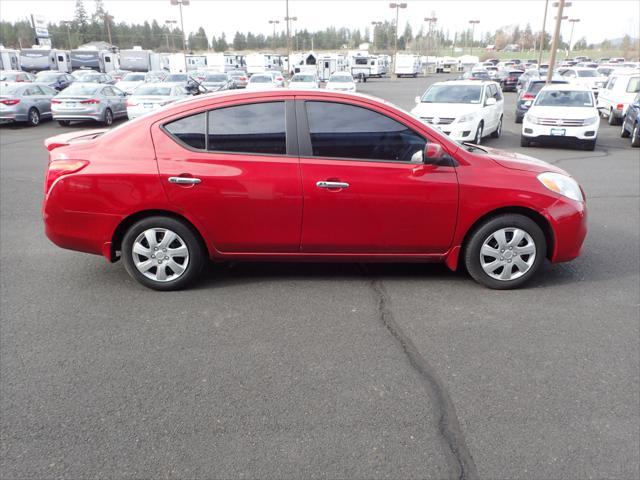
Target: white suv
{"points": [[466, 110], [618, 93], [588, 77], [562, 112]]}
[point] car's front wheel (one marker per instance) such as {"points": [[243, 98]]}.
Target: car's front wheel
{"points": [[478, 138], [505, 251], [623, 130], [496, 133], [33, 118], [635, 136], [524, 141], [162, 253]]}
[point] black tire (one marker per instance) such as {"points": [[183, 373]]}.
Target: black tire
{"points": [[519, 119], [477, 140], [524, 141], [108, 118], [33, 117], [498, 130], [483, 231], [612, 120], [635, 136], [623, 131], [195, 248], [64, 123], [590, 145]]}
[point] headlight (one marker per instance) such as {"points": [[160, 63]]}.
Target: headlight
{"points": [[532, 119], [591, 121], [561, 184], [469, 117]]}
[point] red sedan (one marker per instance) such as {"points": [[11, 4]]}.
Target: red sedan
{"points": [[303, 176]]}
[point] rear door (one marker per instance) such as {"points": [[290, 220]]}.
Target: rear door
{"points": [[366, 189], [235, 171]]}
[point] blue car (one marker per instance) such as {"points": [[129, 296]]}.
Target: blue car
{"points": [[630, 127], [56, 80]]}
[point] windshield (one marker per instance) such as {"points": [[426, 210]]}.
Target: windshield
{"points": [[564, 98], [176, 77], [8, 77], [152, 90], [341, 79], [587, 73], [80, 89], [48, 77], [215, 78], [453, 94], [10, 88], [261, 79], [133, 77], [303, 78]]}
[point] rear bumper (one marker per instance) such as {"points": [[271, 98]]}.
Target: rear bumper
{"points": [[77, 116]]}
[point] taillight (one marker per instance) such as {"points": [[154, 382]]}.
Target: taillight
{"points": [[131, 104], [620, 106], [90, 101], [59, 168], [279, 79], [12, 101], [528, 96], [243, 78], [53, 100]]}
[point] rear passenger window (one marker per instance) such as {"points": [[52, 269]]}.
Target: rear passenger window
{"points": [[253, 128], [346, 131], [634, 85], [189, 130]]}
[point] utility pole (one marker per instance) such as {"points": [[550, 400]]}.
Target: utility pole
{"points": [[274, 23], [573, 22], [169, 23], [473, 30], [397, 6], [289, 19], [373, 34], [67, 23], [544, 24], [107, 21], [431, 20], [556, 37], [184, 37]]}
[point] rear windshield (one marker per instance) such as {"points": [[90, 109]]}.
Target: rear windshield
{"points": [[176, 77], [587, 73], [152, 90], [215, 78], [341, 78], [453, 94], [303, 78], [134, 77], [80, 89], [10, 88], [535, 87], [89, 78], [564, 98], [261, 79]]}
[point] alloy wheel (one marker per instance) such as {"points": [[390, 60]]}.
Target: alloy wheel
{"points": [[34, 117], [507, 254], [160, 254]]}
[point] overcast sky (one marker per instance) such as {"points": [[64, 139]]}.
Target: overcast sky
{"points": [[599, 19]]}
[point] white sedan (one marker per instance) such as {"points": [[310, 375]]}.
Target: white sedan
{"points": [[341, 81], [304, 81], [151, 96], [466, 110], [562, 112]]}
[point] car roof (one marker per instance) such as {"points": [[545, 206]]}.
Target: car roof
{"points": [[567, 87], [466, 82], [160, 84]]}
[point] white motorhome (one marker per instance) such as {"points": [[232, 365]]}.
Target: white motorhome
{"points": [[447, 65], [196, 62], [406, 65], [215, 61], [99, 60], [176, 63], [233, 61], [259, 62], [39, 59], [9, 59], [329, 64], [136, 60]]}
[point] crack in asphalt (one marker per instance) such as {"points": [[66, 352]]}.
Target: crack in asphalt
{"points": [[459, 459]]}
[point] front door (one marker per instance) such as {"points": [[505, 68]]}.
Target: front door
{"points": [[239, 180], [366, 188]]}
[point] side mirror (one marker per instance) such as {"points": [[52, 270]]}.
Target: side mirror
{"points": [[417, 99], [433, 152], [490, 101]]}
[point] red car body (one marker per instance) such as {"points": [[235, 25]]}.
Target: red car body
{"points": [[268, 207]]}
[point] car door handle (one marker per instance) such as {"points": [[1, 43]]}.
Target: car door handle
{"points": [[332, 184], [184, 180]]}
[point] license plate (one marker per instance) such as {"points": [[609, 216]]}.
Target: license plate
{"points": [[558, 132], [71, 105], [148, 105]]}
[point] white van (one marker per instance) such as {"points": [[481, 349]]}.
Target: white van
{"points": [[406, 65], [614, 98]]}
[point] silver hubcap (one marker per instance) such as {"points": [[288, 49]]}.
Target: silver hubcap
{"points": [[507, 254], [160, 254], [34, 117], [479, 135]]}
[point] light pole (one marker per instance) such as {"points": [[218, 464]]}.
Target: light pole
{"points": [[274, 23], [573, 24], [473, 30], [556, 36], [184, 37], [169, 24], [544, 24], [431, 21], [67, 23], [397, 6], [107, 21], [373, 35], [289, 19]]}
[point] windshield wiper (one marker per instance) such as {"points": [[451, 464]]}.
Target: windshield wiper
{"points": [[471, 147]]}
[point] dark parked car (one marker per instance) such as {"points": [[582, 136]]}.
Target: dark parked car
{"points": [[214, 82], [95, 77], [528, 94], [476, 75], [56, 80], [631, 120], [508, 79]]}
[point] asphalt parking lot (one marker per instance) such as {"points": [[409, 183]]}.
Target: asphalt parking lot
{"points": [[275, 370]]}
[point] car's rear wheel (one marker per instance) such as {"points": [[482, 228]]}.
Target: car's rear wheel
{"points": [[524, 141], [33, 117], [64, 123], [505, 251], [496, 133], [612, 120], [108, 118], [623, 130], [162, 253], [478, 138], [635, 136]]}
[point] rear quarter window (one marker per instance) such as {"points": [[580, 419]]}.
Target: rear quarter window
{"points": [[189, 131]]}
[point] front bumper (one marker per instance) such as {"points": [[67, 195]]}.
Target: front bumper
{"points": [[531, 130], [458, 131], [568, 219]]}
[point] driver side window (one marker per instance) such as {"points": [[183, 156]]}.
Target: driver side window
{"points": [[340, 130]]}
